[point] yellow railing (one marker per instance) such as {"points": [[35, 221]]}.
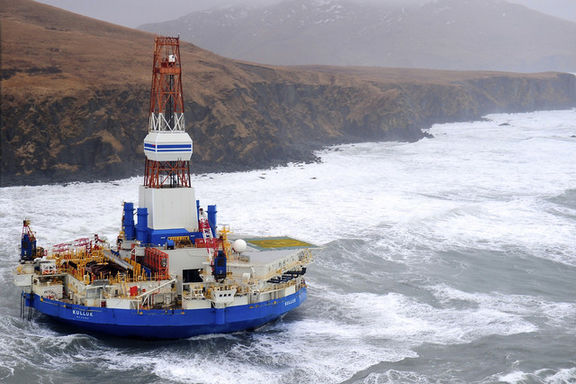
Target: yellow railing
{"points": [[81, 257]]}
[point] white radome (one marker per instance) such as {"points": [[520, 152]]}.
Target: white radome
{"points": [[239, 245]]}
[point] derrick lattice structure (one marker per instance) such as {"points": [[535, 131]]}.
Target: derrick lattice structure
{"points": [[168, 148]]}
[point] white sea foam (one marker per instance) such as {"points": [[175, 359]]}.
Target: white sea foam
{"points": [[394, 376], [556, 314], [396, 317], [483, 186], [489, 177], [541, 376]]}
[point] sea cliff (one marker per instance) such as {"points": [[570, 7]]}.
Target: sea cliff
{"points": [[75, 101]]}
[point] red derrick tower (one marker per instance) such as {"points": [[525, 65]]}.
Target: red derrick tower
{"points": [[167, 146]]}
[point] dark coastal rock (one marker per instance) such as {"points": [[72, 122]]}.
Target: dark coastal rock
{"points": [[85, 118]]}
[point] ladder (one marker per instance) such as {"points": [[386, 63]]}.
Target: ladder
{"points": [[205, 228]]}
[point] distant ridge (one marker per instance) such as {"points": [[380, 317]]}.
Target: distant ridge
{"points": [[442, 34], [75, 96]]}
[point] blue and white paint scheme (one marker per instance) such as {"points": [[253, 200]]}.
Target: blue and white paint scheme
{"points": [[165, 324], [168, 146], [189, 284]]}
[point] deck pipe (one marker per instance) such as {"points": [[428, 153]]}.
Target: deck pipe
{"points": [[129, 221], [212, 218], [142, 226]]}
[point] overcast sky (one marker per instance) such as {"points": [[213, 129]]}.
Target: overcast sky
{"points": [[132, 13]]}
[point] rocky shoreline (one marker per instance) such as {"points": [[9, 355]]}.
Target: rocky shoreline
{"points": [[80, 142], [75, 97]]}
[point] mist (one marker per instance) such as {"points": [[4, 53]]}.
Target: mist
{"points": [[565, 9], [133, 13]]}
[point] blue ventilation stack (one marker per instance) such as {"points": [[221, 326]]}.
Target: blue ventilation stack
{"points": [[212, 218], [142, 226], [128, 221]]}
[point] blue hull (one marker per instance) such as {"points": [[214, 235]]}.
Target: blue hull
{"points": [[166, 324]]}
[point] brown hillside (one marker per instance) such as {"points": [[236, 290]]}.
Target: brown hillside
{"points": [[75, 94]]}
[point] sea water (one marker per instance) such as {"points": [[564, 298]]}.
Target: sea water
{"points": [[448, 260]]}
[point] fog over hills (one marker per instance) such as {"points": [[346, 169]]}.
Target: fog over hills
{"points": [[132, 13], [565, 9], [441, 34]]}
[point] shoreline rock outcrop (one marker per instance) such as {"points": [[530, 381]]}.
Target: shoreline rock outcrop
{"points": [[84, 118]]}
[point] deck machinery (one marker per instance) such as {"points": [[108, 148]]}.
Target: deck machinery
{"points": [[172, 272]]}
